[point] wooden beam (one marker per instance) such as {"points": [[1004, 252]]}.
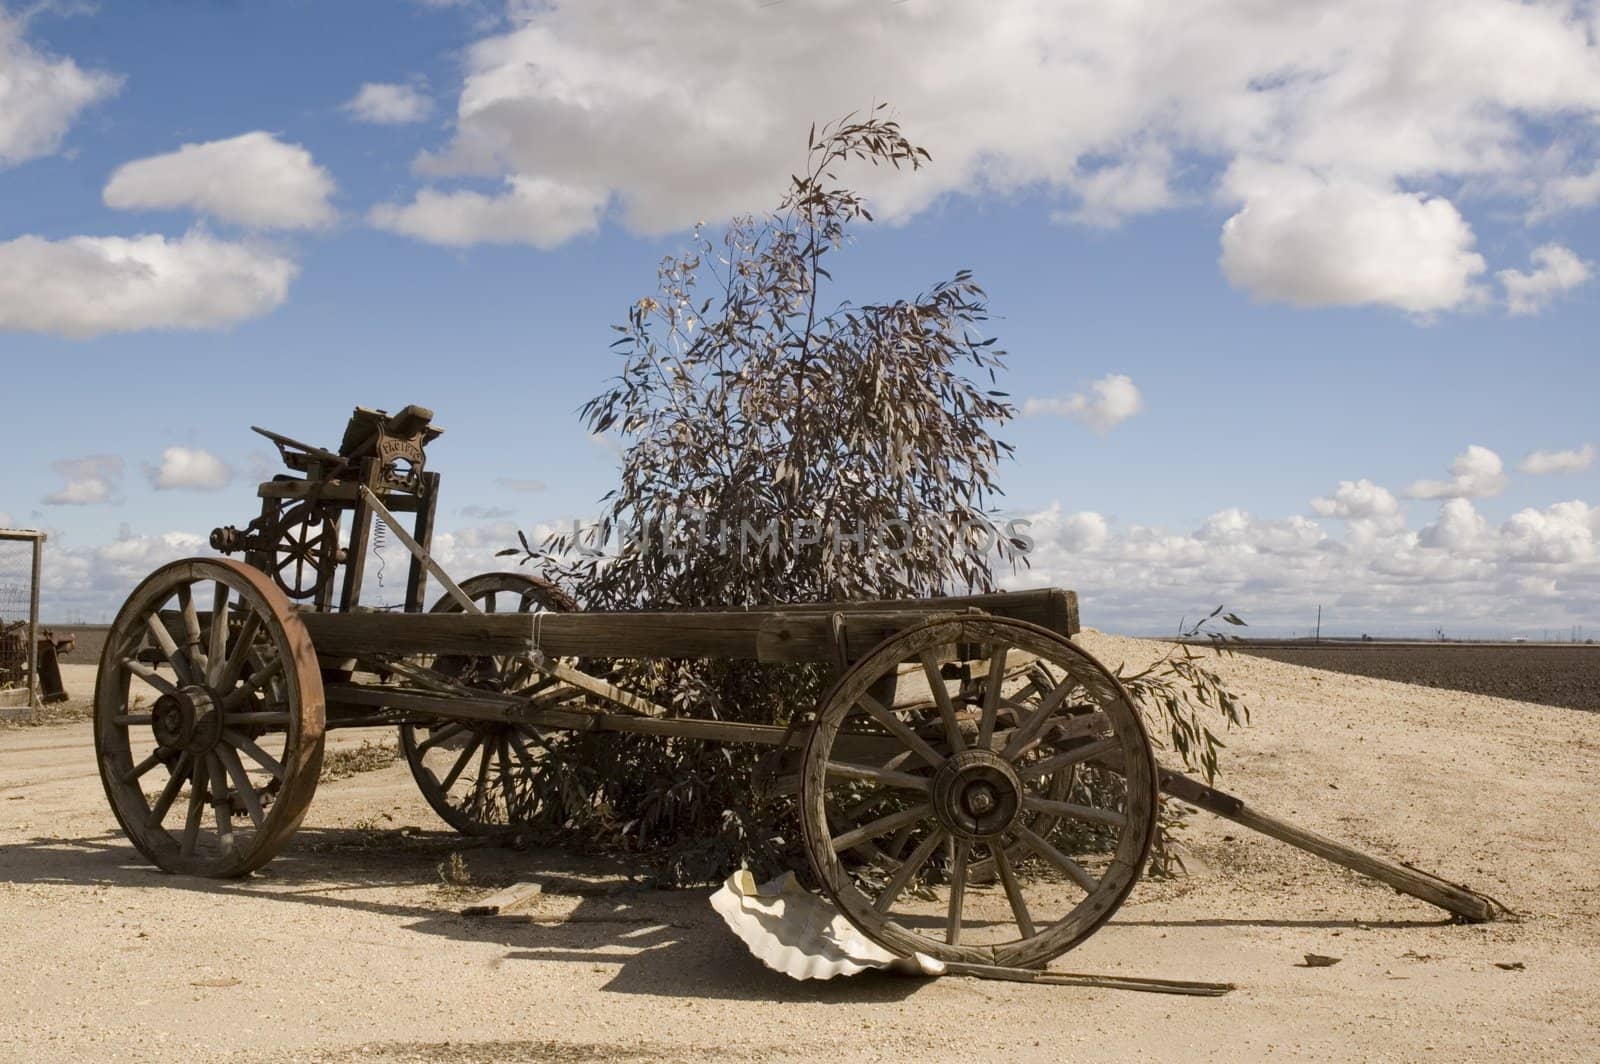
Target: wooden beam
{"points": [[1469, 905], [771, 636], [1049, 607], [418, 553]]}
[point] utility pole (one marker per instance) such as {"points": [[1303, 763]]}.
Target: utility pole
{"points": [[1318, 638]]}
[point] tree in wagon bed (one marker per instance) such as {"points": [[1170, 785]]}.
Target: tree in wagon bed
{"points": [[775, 447]]}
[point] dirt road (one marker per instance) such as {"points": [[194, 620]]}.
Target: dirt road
{"points": [[349, 947]]}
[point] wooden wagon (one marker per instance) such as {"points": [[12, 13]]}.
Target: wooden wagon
{"points": [[973, 786]]}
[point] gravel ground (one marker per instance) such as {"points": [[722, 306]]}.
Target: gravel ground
{"points": [[349, 946]]}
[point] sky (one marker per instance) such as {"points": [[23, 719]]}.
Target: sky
{"points": [[1298, 299]]}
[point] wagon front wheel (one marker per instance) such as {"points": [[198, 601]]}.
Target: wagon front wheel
{"points": [[208, 718], [1024, 756]]}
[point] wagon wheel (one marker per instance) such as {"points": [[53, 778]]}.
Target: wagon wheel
{"points": [[971, 792], [306, 551], [887, 852], [227, 724], [477, 775]]}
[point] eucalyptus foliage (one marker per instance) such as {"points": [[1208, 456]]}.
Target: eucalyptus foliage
{"points": [[776, 446], [778, 449]]}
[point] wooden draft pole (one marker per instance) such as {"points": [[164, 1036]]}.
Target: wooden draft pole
{"points": [[1468, 905]]}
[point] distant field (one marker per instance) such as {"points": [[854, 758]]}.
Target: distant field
{"points": [[1551, 675], [91, 638]]}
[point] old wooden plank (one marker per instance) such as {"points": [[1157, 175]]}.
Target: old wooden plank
{"points": [[798, 636], [1049, 607], [765, 636], [502, 901]]}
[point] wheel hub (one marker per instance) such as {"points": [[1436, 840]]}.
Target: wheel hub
{"points": [[977, 794], [190, 720]]}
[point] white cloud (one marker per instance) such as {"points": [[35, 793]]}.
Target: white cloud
{"points": [[1563, 534], [1112, 400], [1374, 117], [1111, 193], [1556, 270], [92, 581], [1540, 567], [40, 95], [84, 286], [1569, 192], [389, 104], [1362, 500], [90, 480], [533, 211], [190, 469], [253, 179], [1459, 528], [1313, 243], [1476, 473], [1543, 463]]}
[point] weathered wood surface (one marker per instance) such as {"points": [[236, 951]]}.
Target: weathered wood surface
{"points": [[768, 635], [1464, 903], [1049, 607], [503, 901], [1104, 982]]}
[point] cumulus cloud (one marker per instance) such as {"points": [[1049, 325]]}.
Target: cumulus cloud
{"points": [[84, 286], [1476, 473], [1314, 243], [1556, 270], [1458, 528], [40, 95], [1567, 533], [1543, 463], [92, 580], [89, 480], [533, 211], [1361, 500], [1109, 194], [1541, 566], [388, 104], [1110, 401], [189, 469], [253, 179], [1346, 131], [1569, 192]]}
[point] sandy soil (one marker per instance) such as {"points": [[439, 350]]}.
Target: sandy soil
{"points": [[348, 946]]}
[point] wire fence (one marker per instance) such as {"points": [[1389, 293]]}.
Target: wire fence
{"points": [[14, 634], [17, 634]]}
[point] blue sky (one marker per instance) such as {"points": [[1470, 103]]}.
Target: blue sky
{"points": [[1295, 260]]}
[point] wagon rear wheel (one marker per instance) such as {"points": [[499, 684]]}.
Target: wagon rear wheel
{"points": [[209, 718], [972, 780], [478, 775]]}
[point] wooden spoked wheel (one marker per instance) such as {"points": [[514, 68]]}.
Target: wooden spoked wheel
{"points": [[478, 775], [307, 541], [972, 775], [208, 718]]}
